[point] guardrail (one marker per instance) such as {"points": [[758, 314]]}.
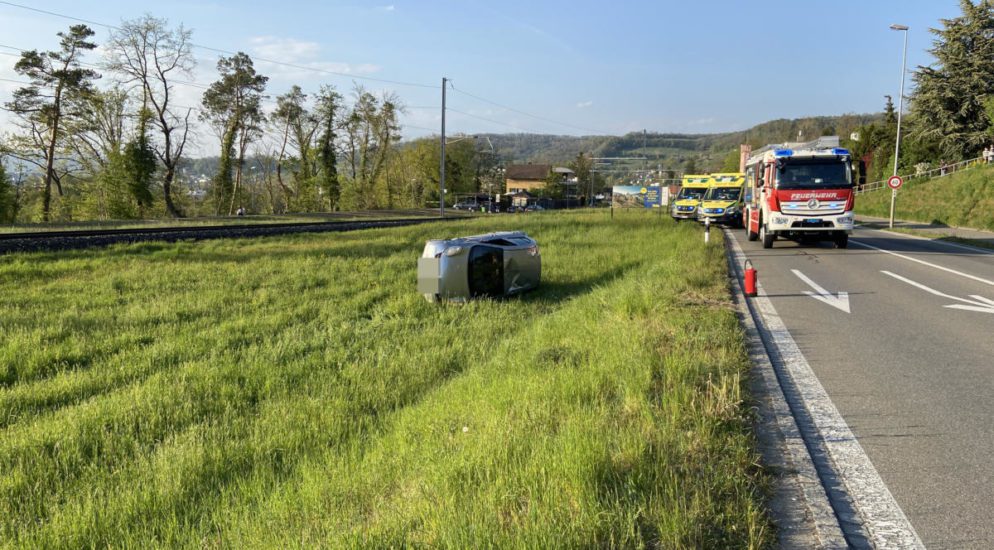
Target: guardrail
{"points": [[926, 174]]}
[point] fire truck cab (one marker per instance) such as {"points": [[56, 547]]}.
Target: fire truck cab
{"points": [[800, 190]]}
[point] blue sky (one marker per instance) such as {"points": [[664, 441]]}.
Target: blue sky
{"points": [[670, 66]]}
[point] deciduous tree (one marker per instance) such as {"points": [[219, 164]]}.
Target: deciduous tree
{"points": [[149, 55], [328, 105], [371, 131], [296, 127]]}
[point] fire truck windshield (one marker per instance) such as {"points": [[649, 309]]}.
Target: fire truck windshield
{"points": [[814, 174]]}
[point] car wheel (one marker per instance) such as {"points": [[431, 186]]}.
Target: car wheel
{"points": [[842, 240]]}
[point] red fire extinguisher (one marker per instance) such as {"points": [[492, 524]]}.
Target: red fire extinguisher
{"points": [[750, 279]]}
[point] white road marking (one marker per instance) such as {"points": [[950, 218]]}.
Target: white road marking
{"points": [[979, 303], [838, 302], [975, 249], [882, 516], [923, 262]]}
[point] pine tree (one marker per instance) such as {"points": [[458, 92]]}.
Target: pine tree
{"points": [[56, 78], [948, 102], [890, 113], [233, 105]]}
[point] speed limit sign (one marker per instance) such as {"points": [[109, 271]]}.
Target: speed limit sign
{"points": [[895, 182]]}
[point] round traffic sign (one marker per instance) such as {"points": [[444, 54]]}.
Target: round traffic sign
{"points": [[895, 182]]}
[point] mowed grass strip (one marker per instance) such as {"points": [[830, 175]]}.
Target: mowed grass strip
{"points": [[963, 199], [297, 392]]}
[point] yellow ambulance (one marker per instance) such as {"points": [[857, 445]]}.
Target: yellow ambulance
{"points": [[723, 201], [692, 190]]}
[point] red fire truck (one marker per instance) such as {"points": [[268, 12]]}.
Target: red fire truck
{"points": [[800, 190]]}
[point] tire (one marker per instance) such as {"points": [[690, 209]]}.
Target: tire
{"points": [[842, 240], [766, 236]]}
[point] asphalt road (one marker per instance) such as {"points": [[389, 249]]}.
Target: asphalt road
{"points": [[913, 378]]}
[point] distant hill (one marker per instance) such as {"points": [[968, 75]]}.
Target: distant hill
{"points": [[671, 151], [664, 151]]}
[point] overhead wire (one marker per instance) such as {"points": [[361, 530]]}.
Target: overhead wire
{"points": [[484, 119], [419, 127], [229, 52], [335, 73], [525, 113], [15, 81]]}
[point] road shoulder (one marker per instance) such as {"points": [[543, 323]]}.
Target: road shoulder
{"points": [[799, 505]]}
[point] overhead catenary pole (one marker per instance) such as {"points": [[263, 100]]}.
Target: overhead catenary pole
{"points": [[644, 157], [900, 111], [441, 162], [591, 176]]}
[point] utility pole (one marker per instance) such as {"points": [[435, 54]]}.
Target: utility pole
{"points": [[441, 162], [644, 162], [900, 110], [591, 176]]}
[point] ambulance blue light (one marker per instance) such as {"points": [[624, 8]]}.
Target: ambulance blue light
{"points": [[840, 151], [783, 153]]}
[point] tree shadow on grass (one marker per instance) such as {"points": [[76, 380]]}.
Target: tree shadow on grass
{"points": [[557, 291], [354, 250]]}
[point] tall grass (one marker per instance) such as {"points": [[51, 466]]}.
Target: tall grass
{"points": [[963, 199], [296, 391]]}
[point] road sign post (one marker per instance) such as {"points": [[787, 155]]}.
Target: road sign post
{"points": [[894, 182]]}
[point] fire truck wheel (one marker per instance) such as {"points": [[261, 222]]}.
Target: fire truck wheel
{"points": [[749, 234], [766, 236], [841, 240]]}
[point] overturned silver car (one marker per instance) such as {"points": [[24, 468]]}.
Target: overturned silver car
{"points": [[492, 265]]}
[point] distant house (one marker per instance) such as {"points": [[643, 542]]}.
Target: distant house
{"points": [[520, 198], [532, 178]]}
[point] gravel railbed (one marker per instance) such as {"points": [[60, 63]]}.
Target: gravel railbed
{"points": [[71, 240]]}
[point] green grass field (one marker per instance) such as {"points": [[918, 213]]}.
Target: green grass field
{"points": [[963, 199], [297, 392]]}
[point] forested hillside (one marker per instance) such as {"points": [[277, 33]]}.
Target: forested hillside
{"points": [[705, 152]]}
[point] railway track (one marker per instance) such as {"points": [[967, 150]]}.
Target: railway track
{"points": [[76, 239]]}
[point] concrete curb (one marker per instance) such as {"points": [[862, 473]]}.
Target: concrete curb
{"points": [[800, 506]]}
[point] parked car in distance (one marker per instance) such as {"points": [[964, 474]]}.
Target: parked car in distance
{"points": [[534, 208], [465, 205]]}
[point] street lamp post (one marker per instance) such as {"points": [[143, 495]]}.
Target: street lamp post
{"points": [[900, 111]]}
